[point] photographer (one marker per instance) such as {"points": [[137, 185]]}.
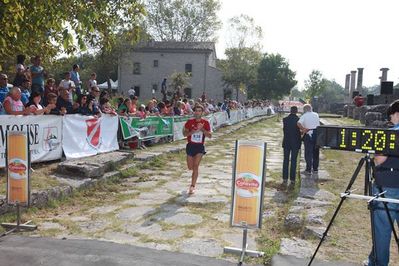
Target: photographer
{"points": [[386, 179]]}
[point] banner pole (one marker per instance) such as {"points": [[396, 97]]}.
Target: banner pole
{"points": [[18, 217]]}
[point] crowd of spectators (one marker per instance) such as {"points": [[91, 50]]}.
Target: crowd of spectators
{"points": [[35, 93]]}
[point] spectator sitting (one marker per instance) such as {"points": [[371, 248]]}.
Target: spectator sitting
{"points": [[151, 108], [95, 96], [3, 87], [52, 99], [84, 106], [25, 91], [106, 107], [141, 112], [36, 107], [13, 104], [162, 108], [124, 108], [63, 101]]}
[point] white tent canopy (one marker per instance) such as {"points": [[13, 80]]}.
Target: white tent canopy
{"points": [[114, 85]]}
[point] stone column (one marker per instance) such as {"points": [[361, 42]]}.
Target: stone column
{"points": [[359, 86], [353, 82], [347, 80], [384, 75]]}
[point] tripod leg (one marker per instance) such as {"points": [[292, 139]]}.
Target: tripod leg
{"points": [[355, 174]]}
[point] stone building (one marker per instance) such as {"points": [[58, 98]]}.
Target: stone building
{"points": [[144, 67]]}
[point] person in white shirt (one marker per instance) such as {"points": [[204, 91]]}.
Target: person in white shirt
{"points": [[68, 84], [308, 123], [131, 93]]}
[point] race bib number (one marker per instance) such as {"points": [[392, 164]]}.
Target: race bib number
{"points": [[197, 137]]}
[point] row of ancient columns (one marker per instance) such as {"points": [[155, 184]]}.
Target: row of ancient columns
{"points": [[351, 78]]}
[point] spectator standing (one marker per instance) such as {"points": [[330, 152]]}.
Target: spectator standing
{"points": [[291, 144], [131, 93], [68, 85], [3, 87], [308, 123], [25, 91], [38, 74], [92, 82], [386, 179], [164, 90], [50, 87], [76, 79], [21, 71]]}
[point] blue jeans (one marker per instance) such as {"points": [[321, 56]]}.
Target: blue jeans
{"points": [[294, 155], [382, 226], [311, 152]]}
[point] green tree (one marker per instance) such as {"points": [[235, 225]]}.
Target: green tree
{"points": [[53, 27], [240, 68], [296, 93], [183, 20], [243, 55], [315, 85], [179, 81], [333, 92], [275, 78]]}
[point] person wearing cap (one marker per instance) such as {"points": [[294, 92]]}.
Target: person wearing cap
{"points": [[291, 144], [307, 123], [386, 179]]}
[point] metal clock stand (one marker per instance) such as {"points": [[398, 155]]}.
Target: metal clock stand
{"points": [[244, 250], [368, 195]]}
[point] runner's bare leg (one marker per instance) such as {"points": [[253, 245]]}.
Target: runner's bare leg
{"points": [[196, 162]]}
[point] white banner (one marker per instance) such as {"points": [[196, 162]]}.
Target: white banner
{"points": [[44, 132], [86, 135]]}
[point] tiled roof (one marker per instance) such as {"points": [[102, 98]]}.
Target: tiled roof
{"points": [[151, 45]]}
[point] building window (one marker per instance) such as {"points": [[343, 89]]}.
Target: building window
{"points": [[137, 91], [136, 68], [187, 92], [189, 69], [156, 63], [154, 87]]}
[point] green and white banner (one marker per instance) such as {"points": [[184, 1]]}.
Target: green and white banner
{"points": [[153, 126]]}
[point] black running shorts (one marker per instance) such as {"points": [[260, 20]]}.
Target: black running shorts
{"points": [[193, 149]]}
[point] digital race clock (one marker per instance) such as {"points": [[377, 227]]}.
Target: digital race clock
{"points": [[359, 139]]}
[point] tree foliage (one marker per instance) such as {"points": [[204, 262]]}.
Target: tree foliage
{"points": [[240, 68], [333, 92], [52, 27], [244, 33], [315, 85], [275, 78], [183, 20], [243, 55]]}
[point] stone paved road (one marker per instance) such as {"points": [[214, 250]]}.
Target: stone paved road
{"points": [[159, 214]]}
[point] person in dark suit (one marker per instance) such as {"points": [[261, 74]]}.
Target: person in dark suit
{"points": [[291, 144]]}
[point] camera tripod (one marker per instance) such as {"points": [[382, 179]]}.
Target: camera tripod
{"points": [[369, 164]]}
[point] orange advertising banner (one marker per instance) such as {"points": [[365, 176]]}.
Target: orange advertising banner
{"points": [[248, 184], [18, 165]]}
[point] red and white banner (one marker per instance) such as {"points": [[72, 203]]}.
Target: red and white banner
{"points": [[87, 135]]}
